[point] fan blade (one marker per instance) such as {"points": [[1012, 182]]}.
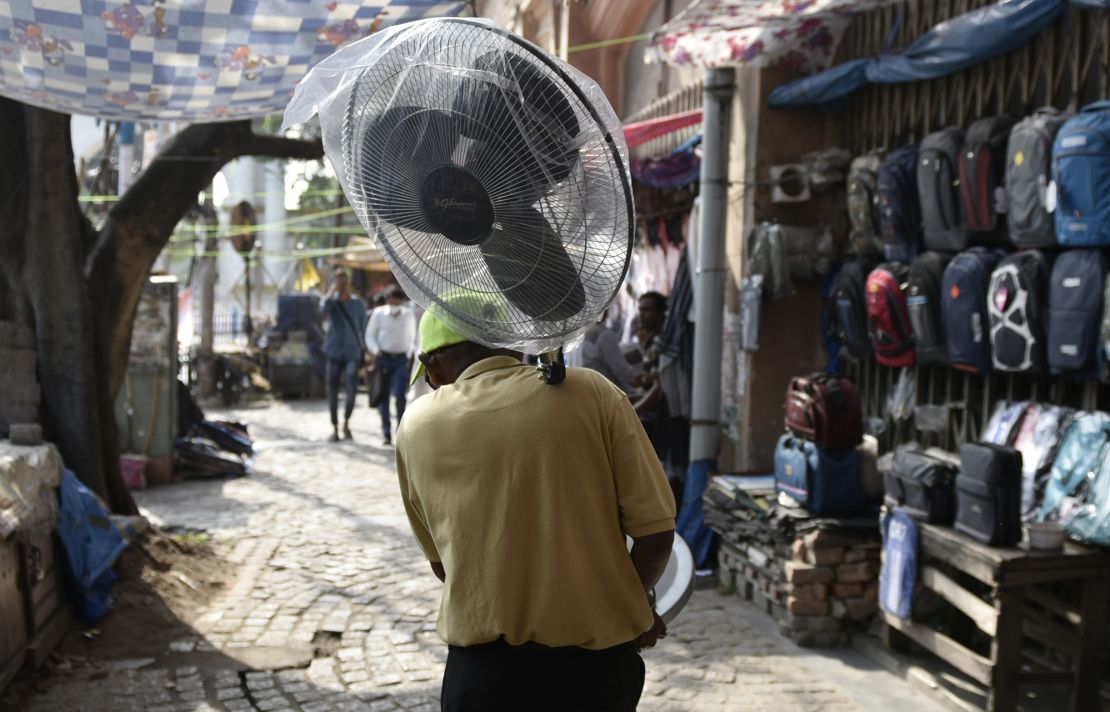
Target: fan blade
{"points": [[531, 114], [400, 149], [532, 268]]}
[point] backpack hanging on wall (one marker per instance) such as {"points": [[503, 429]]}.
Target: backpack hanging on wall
{"points": [[888, 319], [1081, 172], [899, 210], [937, 180], [850, 307], [981, 169], [863, 203], [964, 306], [923, 300], [1016, 302], [1028, 172], [1075, 308]]}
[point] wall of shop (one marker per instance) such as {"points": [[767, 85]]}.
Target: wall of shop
{"points": [[1066, 66]]}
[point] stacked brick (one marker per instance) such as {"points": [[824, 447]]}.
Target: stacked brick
{"points": [[820, 585], [19, 388]]}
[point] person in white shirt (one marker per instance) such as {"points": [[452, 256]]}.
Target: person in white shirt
{"points": [[390, 341]]}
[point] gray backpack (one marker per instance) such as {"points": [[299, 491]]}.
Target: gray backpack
{"points": [[863, 203], [937, 180], [1028, 172]]}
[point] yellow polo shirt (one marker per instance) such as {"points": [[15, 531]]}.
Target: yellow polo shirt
{"points": [[524, 492]]}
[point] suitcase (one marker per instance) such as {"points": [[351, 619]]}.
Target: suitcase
{"points": [[827, 483], [825, 408], [921, 483], [988, 494]]}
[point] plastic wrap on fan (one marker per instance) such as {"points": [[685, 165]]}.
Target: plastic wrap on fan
{"points": [[487, 171]]}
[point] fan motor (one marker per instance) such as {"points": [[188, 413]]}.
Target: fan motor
{"points": [[457, 204]]}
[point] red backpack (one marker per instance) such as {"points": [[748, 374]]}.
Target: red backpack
{"points": [[888, 318]]}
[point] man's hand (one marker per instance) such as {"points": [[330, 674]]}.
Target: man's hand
{"points": [[371, 359], [657, 632]]}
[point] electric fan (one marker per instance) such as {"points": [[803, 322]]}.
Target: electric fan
{"points": [[482, 166]]}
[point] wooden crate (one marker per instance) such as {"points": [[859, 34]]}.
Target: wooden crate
{"points": [[1017, 608], [48, 613], [13, 612]]}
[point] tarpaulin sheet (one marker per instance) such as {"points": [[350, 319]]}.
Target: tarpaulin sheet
{"points": [[964, 41], [793, 34], [641, 132], [681, 167], [180, 60]]}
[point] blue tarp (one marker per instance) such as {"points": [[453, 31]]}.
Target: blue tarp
{"points": [[964, 41], [691, 520], [92, 545]]}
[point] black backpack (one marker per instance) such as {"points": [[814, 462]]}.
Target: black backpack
{"points": [[966, 321], [850, 307], [923, 302], [1028, 172], [899, 210], [1075, 305], [1015, 303], [982, 160], [937, 180], [863, 203]]}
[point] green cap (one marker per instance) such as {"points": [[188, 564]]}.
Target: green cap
{"points": [[436, 334]]}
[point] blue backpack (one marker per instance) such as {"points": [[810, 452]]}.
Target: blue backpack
{"points": [[1075, 305], [826, 482], [899, 206], [899, 573], [1081, 170], [1081, 447], [964, 308]]}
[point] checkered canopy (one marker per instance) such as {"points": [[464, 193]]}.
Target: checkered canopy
{"points": [[180, 60]]}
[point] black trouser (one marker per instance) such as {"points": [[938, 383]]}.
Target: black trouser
{"points": [[498, 677]]}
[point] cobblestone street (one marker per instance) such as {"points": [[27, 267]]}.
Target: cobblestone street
{"points": [[334, 608]]}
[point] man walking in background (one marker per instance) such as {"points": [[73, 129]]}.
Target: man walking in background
{"points": [[391, 342], [345, 315], [521, 494]]}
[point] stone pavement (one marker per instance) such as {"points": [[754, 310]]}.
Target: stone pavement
{"points": [[335, 607]]}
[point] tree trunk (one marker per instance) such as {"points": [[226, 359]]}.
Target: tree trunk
{"points": [[206, 366], [78, 288]]}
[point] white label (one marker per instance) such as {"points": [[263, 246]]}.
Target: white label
{"points": [[1069, 349], [1072, 282], [1050, 197], [1077, 227], [1073, 141], [976, 328]]}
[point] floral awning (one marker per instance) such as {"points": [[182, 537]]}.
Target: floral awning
{"points": [[180, 60], [794, 34]]}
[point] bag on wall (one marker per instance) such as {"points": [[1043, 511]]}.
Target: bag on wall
{"points": [[1081, 172], [1036, 439], [824, 408], [1028, 172], [981, 169], [1004, 422], [1015, 302], [964, 302], [863, 203], [850, 307], [1081, 447], [937, 180], [899, 209], [988, 494], [923, 300], [825, 482], [898, 576], [888, 320], [1075, 309]]}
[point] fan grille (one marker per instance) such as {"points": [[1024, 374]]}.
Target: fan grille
{"points": [[479, 169]]}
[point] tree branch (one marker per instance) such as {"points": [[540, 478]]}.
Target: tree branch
{"points": [[140, 225]]}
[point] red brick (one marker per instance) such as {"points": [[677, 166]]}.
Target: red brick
{"points": [[810, 591], [847, 590], [797, 572], [825, 557], [798, 550], [862, 572], [858, 609], [800, 607], [871, 593]]}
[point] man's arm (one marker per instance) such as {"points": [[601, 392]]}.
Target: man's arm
{"points": [[650, 555], [371, 338]]}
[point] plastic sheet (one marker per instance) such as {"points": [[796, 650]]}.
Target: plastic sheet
{"points": [[92, 545], [900, 401], [482, 167]]}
